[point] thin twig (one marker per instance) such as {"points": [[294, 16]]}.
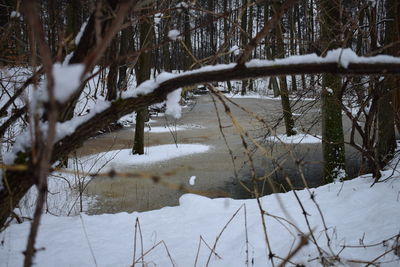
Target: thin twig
{"points": [[88, 241]]}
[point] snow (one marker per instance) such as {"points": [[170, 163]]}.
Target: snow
{"points": [[67, 59], [235, 50], [340, 174], [192, 180], [251, 95], [22, 141], [122, 159], [66, 80], [149, 85], [15, 14], [182, 5], [355, 214], [264, 96], [342, 56], [63, 129], [173, 34], [157, 18], [170, 128], [80, 33], [174, 109], [66, 128], [161, 129], [295, 139]]}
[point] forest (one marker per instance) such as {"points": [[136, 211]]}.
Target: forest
{"points": [[78, 77]]}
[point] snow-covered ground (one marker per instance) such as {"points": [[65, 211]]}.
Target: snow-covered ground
{"points": [[172, 128], [266, 96], [295, 139], [117, 159], [355, 214]]}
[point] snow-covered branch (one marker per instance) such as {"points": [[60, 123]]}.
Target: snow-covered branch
{"points": [[340, 61]]}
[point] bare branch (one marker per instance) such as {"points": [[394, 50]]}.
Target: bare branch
{"points": [[264, 32]]}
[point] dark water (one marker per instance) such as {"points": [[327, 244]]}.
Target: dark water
{"points": [[305, 160]]}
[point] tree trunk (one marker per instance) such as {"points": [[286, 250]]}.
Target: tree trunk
{"points": [[226, 41], [270, 51], [86, 44], [359, 45], [331, 97], [113, 70], [143, 69], [243, 40], [74, 20], [287, 111], [53, 24], [188, 41], [292, 27], [300, 38], [126, 35], [249, 36], [166, 55], [386, 135], [211, 27]]}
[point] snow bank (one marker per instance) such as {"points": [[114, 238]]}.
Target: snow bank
{"points": [[354, 213], [268, 97], [295, 139], [122, 159], [161, 129]]}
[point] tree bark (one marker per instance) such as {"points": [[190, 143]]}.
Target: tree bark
{"points": [[386, 135], [331, 98], [143, 69], [292, 38], [188, 41], [166, 55], [243, 40], [226, 41], [112, 70], [284, 92], [125, 47]]}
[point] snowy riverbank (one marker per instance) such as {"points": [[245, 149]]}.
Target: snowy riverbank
{"points": [[355, 214]]}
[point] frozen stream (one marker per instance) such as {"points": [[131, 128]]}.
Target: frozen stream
{"points": [[213, 169]]}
